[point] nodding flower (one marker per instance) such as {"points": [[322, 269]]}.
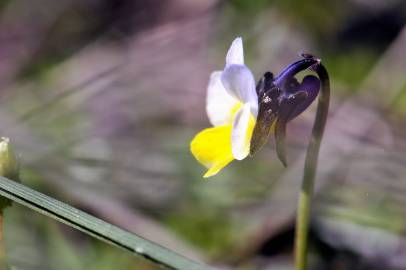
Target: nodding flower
{"points": [[243, 114]]}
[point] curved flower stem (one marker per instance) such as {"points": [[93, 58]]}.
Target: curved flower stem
{"points": [[310, 167]]}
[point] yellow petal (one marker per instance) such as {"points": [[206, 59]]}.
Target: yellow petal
{"points": [[212, 148]]}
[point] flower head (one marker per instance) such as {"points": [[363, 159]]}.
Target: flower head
{"points": [[244, 114], [280, 100]]}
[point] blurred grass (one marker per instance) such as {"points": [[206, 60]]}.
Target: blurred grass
{"points": [[210, 230], [399, 106], [360, 61], [366, 208], [203, 213], [319, 16], [36, 242]]}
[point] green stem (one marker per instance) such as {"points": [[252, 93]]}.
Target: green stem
{"points": [[306, 193]]}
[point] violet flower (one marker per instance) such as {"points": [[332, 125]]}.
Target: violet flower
{"points": [[243, 115]]}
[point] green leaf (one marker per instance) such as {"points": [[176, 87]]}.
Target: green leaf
{"points": [[95, 227]]}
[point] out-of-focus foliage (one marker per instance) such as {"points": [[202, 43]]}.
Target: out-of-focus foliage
{"points": [[101, 99], [59, 247]]}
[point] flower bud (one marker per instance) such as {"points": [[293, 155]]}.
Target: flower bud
{"points": [[9, 166]]}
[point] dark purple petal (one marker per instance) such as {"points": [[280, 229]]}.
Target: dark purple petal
{"points": [[289, 104], [291, 86], [310, 85], [280, 135], [293, 69], [287, 107]]}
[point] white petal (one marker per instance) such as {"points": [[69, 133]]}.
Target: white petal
{"points": [[240, 135], [235, 54], [219, 103], [240, 83]]}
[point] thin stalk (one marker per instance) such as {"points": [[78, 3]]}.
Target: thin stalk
{"points": [[310, 167]]}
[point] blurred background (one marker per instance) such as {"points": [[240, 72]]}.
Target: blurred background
{"points": [[102, 97]]}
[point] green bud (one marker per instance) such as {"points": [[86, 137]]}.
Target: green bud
{"points": [[9, 166]]}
